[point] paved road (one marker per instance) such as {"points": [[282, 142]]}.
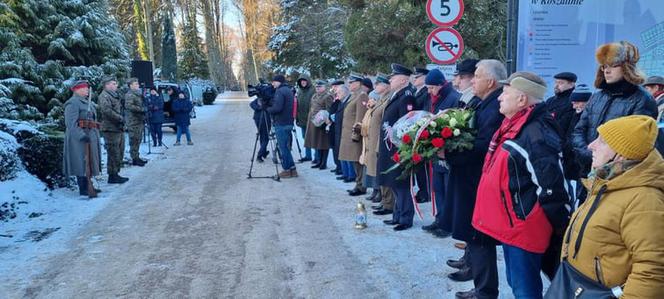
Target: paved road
{"points": [[193, 226]]}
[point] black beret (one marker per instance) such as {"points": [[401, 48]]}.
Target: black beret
{"points": [[367, 82], [279, 78], [571, 77]]}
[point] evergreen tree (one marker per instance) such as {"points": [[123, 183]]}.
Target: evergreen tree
{"points": [[192, 59], [44, 44], [169, 52], [311, 38]]}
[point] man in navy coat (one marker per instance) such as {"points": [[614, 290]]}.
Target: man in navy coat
{"points": [[401, 102], [442, 96]]}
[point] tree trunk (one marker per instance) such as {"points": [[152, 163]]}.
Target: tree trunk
{"points": [[215, 64]]}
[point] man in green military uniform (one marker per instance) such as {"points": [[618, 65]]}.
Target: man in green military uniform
{"points": [[304, 93], [135, 120], [112, 127]]}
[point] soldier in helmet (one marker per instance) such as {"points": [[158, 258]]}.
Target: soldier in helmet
{"points": [[135, 120], [81, 129], [112, 127]]}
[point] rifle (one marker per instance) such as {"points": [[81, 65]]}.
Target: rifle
{"points": [[92, 193]]}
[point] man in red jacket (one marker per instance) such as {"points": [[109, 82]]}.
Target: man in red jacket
{"points": [[522, 197]]}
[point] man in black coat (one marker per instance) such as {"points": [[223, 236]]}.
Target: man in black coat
{"points": [[464, 176], [401, 102], [560, 105], [619, 94], [442, 96], [342, 95]]}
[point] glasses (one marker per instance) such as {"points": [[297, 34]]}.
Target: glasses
{"points": [[608, 66]]}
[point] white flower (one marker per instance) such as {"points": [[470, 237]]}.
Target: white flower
{"points": [[453, 122], [432, 124], [457, 132]]}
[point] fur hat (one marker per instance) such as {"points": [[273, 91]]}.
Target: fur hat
{"points": [[623, 53]]}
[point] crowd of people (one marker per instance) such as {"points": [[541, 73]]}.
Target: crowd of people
{"points": [[113, 116], [542, 173]]}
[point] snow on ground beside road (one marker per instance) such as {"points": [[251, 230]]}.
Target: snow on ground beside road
{"points": [[47, 219]]}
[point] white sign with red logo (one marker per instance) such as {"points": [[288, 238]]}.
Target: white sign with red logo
{"points": [[445, 13], [444, 45]]}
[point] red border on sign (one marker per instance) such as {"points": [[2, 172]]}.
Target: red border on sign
{"points": [[431, 36], [453, 22]]}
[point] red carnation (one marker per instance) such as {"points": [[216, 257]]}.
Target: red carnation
{"points": [[417, 158], [446, 132], [396, 157], [424, 135], [406, 139], [438, 142]]}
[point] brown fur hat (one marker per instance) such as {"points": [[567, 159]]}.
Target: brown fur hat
{"points": [[623, 53]]}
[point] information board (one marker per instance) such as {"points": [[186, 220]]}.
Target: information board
{"points": [[562, 35]]}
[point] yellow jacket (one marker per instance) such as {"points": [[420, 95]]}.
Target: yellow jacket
{"points": [[623, 243]]}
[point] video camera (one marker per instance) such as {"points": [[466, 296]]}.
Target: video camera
{"points": [[264, 91]]}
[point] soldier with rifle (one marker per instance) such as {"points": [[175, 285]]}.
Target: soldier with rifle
{"points": [[81, 147]]}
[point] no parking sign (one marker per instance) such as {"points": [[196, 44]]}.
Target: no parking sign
{"points": [[444, 45]]}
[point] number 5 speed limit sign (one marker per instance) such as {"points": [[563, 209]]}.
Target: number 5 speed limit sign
{"points": [[444, 13]]}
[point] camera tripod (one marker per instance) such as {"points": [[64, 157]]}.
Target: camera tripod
{"points": [[272, 141]]}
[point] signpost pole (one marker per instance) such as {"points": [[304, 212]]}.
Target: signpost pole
{"points": [[511, 46]]}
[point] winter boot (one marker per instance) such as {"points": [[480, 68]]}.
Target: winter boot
{"points": [[190, 143], [82, 185], [116, 179], [323, 159], [138, 162]]}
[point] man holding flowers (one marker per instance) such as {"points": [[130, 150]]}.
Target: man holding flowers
{"points": [[442, 96]]}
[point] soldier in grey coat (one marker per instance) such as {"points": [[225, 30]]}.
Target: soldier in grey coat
{"points": [[81, 128], [112, 126], [135, 120]]}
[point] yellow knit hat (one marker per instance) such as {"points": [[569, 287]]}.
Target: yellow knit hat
{"points": [[632, 137]]}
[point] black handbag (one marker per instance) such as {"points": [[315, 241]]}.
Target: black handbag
{"points": [[569, 282]]}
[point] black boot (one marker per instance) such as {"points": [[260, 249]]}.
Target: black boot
{"points": [[116, 179], [323, 159], [138, 162], [378, 197], [373, 195], [82, 185]]}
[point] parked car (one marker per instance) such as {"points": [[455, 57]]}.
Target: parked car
{"points": [[162, 87]]}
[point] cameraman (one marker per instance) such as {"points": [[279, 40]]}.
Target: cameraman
{"points": [[282, 115], [264, 94]]}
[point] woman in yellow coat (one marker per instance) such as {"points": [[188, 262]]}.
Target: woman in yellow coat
{"points": [[622, 245]]}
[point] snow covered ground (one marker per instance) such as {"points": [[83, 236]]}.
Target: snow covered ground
{"points": [[190, 225]]}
